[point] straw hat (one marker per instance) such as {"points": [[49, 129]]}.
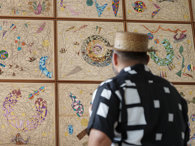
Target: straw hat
{"points": [[131, 42]]}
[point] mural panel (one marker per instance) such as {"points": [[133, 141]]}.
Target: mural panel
{"points": [[83, 49], [27, 50], [167, 10], [175, 56], [74, 102], [35, 8], [27, 114], [110, 9]]}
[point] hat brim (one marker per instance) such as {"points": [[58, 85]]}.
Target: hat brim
{"points": [[111, 47]]}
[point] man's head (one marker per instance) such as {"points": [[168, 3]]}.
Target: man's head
{"points": [[129, 49]]}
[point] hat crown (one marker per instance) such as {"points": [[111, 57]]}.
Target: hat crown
{"points": [[131, 42]]}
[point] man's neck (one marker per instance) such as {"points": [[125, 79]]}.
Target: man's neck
{"points": [[122, 66]]}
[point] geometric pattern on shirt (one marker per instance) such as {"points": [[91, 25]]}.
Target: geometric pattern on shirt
{"points": [[170, 117], [102, 110], [183, 135], [166, 89], [106, 93], [132, 72], [134, 136], [126, 69], [158, 137], [146, 68], [128, 83], [117, 92], [131, 96], [180, 107], [136, 116], [150, 81], [117, 134], [156, 104]]}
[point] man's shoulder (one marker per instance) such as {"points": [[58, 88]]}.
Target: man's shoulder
{"points": [[111, 83]]}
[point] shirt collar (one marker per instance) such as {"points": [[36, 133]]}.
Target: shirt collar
{"points": [[136, 68]]}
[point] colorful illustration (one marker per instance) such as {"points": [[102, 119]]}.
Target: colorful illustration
{"points": [[174, 57], [86, 46], [31, 124], [109, 9], [39, 7], [94, 53], [26, 8], [18, 140], [99, 8], [139, 6], [76, 105], [25, 121], [36, 92], [19, 43], [154, 13], [24, 47], [3, 54], [70, 129], [167, 10], [115, 6], [43, 68], [169, 57]]}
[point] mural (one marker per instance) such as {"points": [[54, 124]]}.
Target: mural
{"points": [[174, 58], [27, 110], [27, 50], [35, 8], [27, 114], [83, 50], [188, 92], [74, 102], [90, 8], [168, 10]]}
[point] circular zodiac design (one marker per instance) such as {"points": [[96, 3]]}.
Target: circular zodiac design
{"points": [[23, 125], [3, 54], [139, 6], [94, 51]]}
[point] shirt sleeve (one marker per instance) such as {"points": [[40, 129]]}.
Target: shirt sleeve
{"points": [[105, 111]]}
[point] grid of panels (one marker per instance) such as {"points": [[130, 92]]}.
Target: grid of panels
{"points": [[46, 44]]}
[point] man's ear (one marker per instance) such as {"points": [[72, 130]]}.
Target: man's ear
{"points": [[148, 59], [115, 59]]}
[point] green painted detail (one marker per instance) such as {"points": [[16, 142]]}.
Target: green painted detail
{"points": [[179, 73], [169, 57]]}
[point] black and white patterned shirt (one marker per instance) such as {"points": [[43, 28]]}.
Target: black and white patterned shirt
{"points": [[138, 108]]}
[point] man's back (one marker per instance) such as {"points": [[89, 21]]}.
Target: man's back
{"points": [[142, 109]]}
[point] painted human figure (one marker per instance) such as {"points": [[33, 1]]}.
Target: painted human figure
{"points": [[19, 140]]}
